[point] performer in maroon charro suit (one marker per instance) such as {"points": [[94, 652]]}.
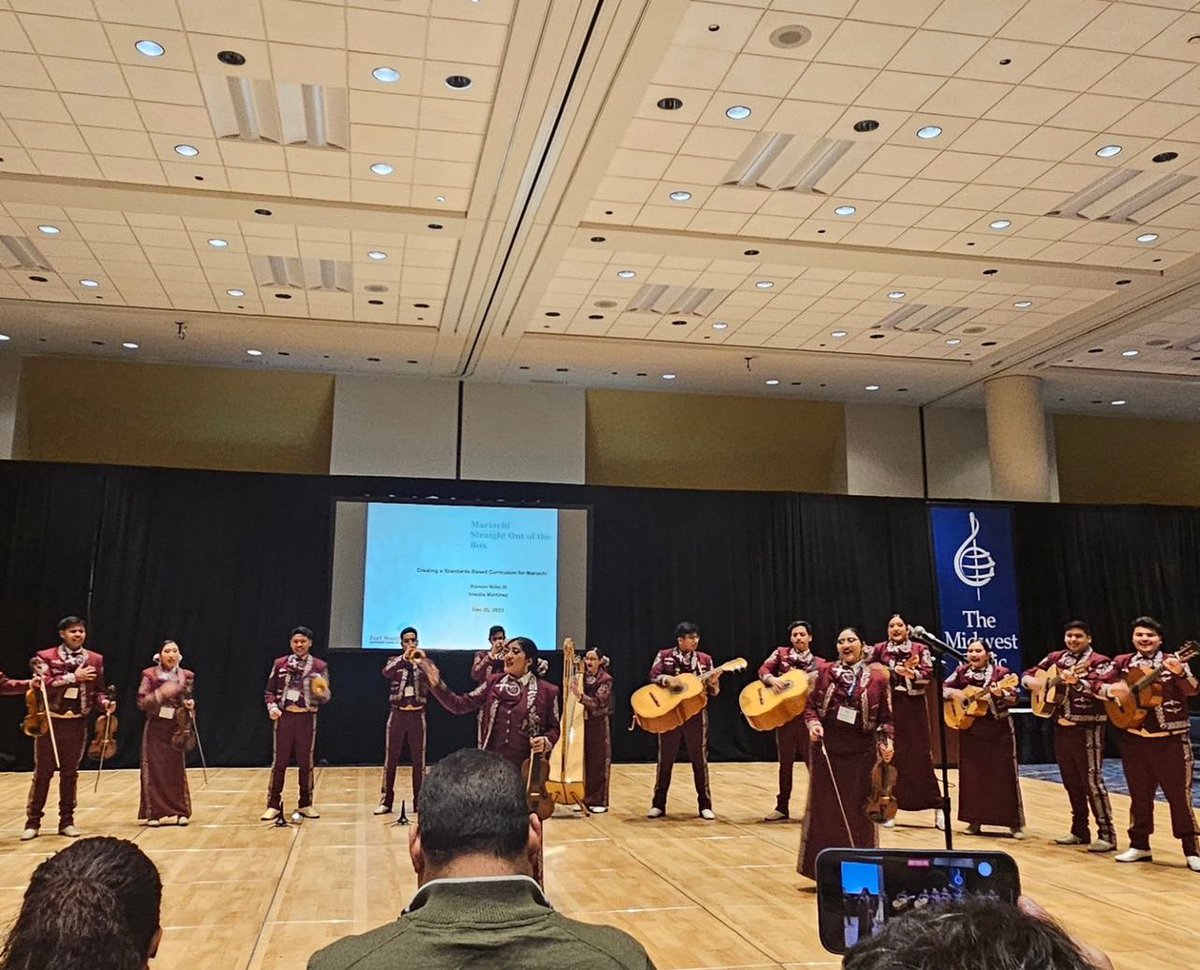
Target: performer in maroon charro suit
{"points": [[296, 689], [597, 729], [1158, 754], [989, 792], [406, 719], [165, 688], [519, 709], [490, 661], [792, 738], [911, 667], [74, 679], [9, 686], [849, 715], [1079, 737]]}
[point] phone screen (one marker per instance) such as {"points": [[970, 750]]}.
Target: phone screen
{"points": [[858, 890]]}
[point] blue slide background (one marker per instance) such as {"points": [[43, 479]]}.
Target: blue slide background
{"points": [[513, 581]]}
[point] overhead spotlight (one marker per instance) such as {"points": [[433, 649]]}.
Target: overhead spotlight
{"points": [[377, 254], [720, 325], [626, 274], [668, 377], [218, 243], [1023, 304], [872, 387], [844, 210], [838, 334], [896, 295], [737, 112], [459, 82], [670, 104], [764, 284], [772, 382], [382, 168], [236, 292], [1148, 237], [254, 353], [187, 151], [680, 195], [953, 342], [386, 75], [150, 48], [49, 230], [1108, 151], [929, 131], [90, 284], [1000, 224], [4, 337], [1118, 402], [1129, 353], [129, 345]]}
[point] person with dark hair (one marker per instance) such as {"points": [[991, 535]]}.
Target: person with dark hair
{"points": [[849, 720], [911, 667], [989, 789], [596, 698], [490, 661], [519, 710], [791, 739], [1079, 727], [95, 904], [684, 658], [165, 688], [475, 850], [974, 933], [407, 696], [296, 689], [1158, 753], [74, 679]]}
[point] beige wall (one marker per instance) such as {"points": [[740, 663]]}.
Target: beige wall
{"points": [[184, 417], [693, 441], [1116, 460]]}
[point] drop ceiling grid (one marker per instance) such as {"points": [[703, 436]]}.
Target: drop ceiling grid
{"points": [[109, 112], [1170, 345], [951, 184]]}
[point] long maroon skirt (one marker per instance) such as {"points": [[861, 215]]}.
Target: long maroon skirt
{"points": [[164, 773], [988, 790], [916, 783], [597, 761], [852, 754]]}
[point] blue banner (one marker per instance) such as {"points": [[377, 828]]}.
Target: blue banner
{"points": [[977, 579]]}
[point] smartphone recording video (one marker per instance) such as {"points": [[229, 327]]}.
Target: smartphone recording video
{"points": [[858, 890]]}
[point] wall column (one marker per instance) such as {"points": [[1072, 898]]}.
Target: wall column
{"points": [[1018, 448], [10, 386]]}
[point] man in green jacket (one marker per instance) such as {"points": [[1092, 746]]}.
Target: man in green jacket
{"points": [[475, 850]]}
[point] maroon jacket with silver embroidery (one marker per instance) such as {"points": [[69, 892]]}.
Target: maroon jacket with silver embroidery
{"points": [[597, 695], [892, 655], [409, 683], [672, 662], [508, 723], [149, 698], [284, 679], [66, 695], [1083, 706], [9, 686], [485, 664], [869, 695], [964, 677], [784, 659], [1171, 717]]}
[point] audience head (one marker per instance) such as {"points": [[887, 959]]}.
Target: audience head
{"points": [[94, 904], [687, 636], [474, 820]]}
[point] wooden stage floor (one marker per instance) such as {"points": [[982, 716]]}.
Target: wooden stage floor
{"points": [[241, 894]]}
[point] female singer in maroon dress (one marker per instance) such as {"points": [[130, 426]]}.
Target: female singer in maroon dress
{"points": [[597, 732], [911, 667], [166, 687], [989, 790], [849, 718]]}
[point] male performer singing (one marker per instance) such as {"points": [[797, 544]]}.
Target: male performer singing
{"points": [[684, 658], [792, 738], [406, 720], [74, 679], [1079, 737], [297, 687]]}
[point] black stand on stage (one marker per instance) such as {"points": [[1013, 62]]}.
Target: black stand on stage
{"points": [[403, 819], [940, 649]]}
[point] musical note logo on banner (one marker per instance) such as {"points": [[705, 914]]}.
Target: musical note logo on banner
{"points": [[974, 565]]}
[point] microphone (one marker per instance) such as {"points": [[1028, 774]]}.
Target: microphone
{"points": [[940, 647]]}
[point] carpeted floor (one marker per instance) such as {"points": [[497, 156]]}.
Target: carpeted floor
{"points": [[1114, 778]]}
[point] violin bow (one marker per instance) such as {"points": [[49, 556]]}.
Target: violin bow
{"points": [[49, 722], [103, 749], [837, 792], [199, 746]]}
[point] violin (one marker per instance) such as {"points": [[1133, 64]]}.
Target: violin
{"points": [[37, 721], [104, 738], [881, 804], [536, 770], [184, 736]]}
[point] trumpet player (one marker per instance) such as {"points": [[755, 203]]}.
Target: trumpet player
{"points": [[407, 696], [296, 690]]}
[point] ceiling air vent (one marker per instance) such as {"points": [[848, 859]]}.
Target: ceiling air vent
{"points": [[21, 252], [288, 272], [282, 112], [676, 300], [1128, 195], [916, 318], [814, 166]]}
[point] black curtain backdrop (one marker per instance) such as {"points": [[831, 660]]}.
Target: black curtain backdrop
{"points": [[227, 563]]}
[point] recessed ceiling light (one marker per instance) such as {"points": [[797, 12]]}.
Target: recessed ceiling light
{"points": [[872, 387], [929, 131], [1108, 151], [49, 230], [4, 337], [1023, 304], [90, 284], [953, 342], [844, 210], [218, 243], [382, 168], [254, 353], [150, 48], [459, 82], [377, 254], [668, 377], [838, 333], [1000, 224], [626, 274], [129, 345], [720, 325], [670, 104], [232, 58], [386, 75], [1165, 157], [236, 292], [738, 112], [1147, 237], [764, 284], [1118, 402], [187, 151], [1129, 353], [439, 198], [867, 124], [896, 295], [772, 382], [680, 195]]}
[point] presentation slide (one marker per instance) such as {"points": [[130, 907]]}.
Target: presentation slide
{"points": [[452, 571]]}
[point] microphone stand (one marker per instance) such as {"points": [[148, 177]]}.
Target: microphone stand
{"points": [[941, 650]]}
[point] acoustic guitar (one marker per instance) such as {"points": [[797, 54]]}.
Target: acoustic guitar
{"points": [[660, 709], [767, 710], [1048, 694], [960, 712], [1145, 691]]}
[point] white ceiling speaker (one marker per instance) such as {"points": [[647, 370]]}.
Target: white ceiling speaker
{"points": [[789, 36]]}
